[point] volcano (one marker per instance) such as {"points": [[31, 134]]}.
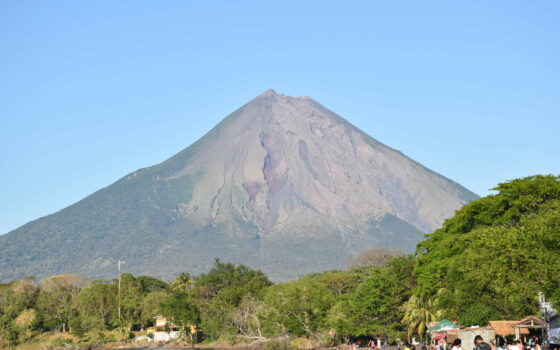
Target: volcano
{"points": [[282, 184]]}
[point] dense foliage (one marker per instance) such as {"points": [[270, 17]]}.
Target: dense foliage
{"points": [[487, 262], [493, 257]]}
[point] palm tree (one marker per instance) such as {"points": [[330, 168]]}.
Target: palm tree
{"points": [[419, 311], [183, 282]]}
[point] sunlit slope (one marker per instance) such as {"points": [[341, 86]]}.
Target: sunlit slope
{"points": [[282, 184]]}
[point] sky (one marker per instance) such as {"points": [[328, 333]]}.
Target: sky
{"points": [[93, 90]]}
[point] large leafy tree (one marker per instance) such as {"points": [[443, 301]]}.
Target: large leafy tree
{"points": [[131, 296], [181, 308], [499, 251], [151, 284], [97, 305], [219, 291], [58, 299], [374, 308], [17, 300], [299, 307]]}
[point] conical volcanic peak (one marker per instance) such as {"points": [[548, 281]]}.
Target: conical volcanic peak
{"points": [[282, 184], [268, 93]]}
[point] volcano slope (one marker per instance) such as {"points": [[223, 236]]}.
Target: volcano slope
{"points": [[282, 184]]}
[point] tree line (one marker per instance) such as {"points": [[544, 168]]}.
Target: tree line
{"points": [[487, 262]]}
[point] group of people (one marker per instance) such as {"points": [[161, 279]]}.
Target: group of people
{"points": [[533, 343], [379, 344]]}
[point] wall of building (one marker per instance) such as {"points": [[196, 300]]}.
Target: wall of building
{"points": [[467, 336]]}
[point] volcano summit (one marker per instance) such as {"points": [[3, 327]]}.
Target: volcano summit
{"points": [[282, 184]]}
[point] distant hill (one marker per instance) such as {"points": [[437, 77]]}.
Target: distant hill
{"points": [[282, 184]]}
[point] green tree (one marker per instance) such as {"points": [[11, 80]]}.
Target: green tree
{"points": [[131, 301], [478, 314], [299, 307], [152, 306], [180, 307], [219, 291], [17, 315], [76, 326], [375, 307], [419, 311], [184, 281], [151, 284], [97, 305], [57, 300], [339, 282], [499, 251]]}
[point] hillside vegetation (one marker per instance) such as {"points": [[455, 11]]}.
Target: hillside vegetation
{"points": [[487, 262]]}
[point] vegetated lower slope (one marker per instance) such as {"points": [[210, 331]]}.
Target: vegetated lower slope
{"points": [[282, 184]]}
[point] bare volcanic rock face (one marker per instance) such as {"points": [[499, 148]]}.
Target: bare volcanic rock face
{"points": [[282, 184]]}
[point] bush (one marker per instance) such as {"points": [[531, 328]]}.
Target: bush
{"points": [[76, 327], [101, 337]]}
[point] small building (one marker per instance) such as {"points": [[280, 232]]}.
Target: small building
{"points": [[160, 323], [163, 330], [528, 323], [517, 329], [506, 329]]}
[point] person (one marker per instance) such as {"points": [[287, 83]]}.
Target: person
{"points": [[492, 344], [480, 343], [457, 345], [519, 345]]}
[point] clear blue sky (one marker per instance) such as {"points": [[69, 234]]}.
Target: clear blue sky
{"points": [[93, 90]]}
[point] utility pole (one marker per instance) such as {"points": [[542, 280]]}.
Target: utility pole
{"points": [[119, 263], [119, 297]]}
